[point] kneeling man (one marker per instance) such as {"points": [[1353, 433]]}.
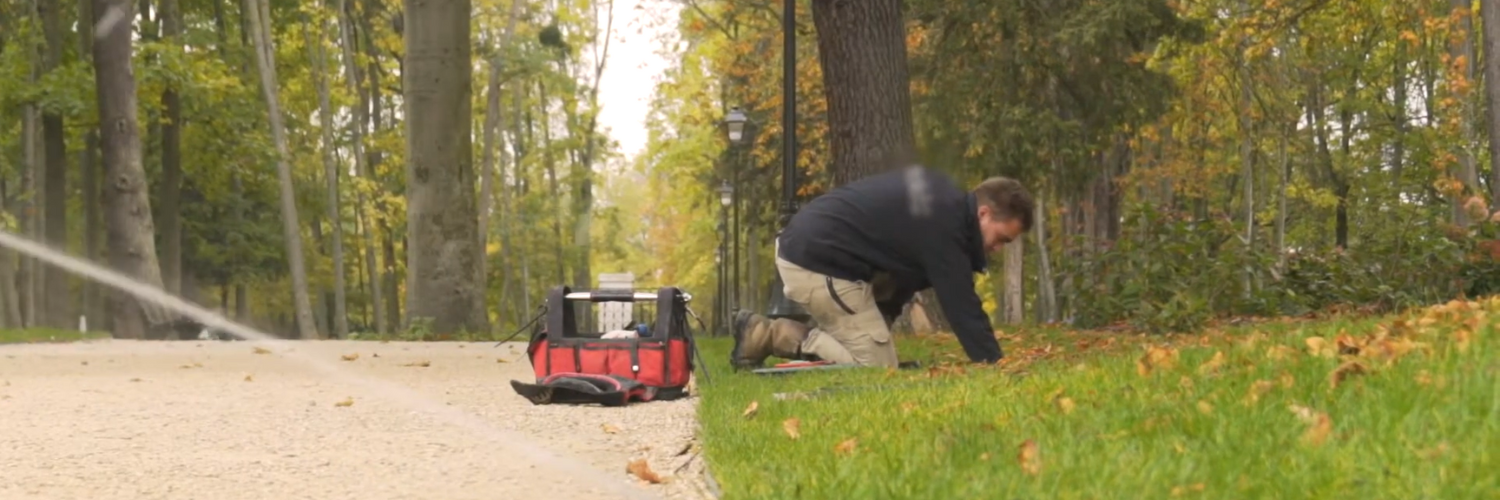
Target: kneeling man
{"points": [[855, 256]]}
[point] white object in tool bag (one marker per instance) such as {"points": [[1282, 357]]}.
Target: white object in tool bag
{"points": [[621, 334]]}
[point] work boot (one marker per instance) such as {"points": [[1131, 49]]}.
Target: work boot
{"points": [[757, 338]]}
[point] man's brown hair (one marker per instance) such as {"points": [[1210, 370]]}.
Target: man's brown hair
{"points": [[1008, 199]]}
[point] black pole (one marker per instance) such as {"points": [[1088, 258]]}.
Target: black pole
{"points": [[734, 235], [788, 110]]}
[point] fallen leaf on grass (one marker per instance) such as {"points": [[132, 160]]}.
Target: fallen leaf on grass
{"points": [[1178, 491], [792, 426], [345, 402], [609, 429], [1287, 380], [984, 456], [262, 350], [1344, 371], [419, 364], [642, 470], [1433, 452], [908, 406], [1213, 364], [1281, 352], [1030, 457], [1205, 407], [847, 447], [350, 357], [1154, 358], [1258, 389], [750, 410], [1319, 431], [1319, 347]]}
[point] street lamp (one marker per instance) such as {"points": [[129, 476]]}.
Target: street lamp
{"points": [[726, 194], [736, 124], [726, 197], [781, 306]]}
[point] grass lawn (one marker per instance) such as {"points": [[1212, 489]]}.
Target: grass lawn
{"points": [[30, 335], [1396, 407]]}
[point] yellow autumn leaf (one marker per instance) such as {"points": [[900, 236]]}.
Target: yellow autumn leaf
{"points": [[1319, 347], [750, 410], [346, 402], [793, 427], [1213, 364], [1344, 371], [847, 446], [1030, 457], [350, 357]]}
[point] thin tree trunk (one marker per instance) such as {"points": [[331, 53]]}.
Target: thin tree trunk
{"points": [[1046, 290], [1247, 156], [265, 60], [1286, 177], [10, 306], [356, 86], [88, 166], [1015, 274], [56, 311], [492, 119], [1490, 26], [1461, 52], [331, 177], [32, 156], [171, 163], [130, 228], [441, 208]]}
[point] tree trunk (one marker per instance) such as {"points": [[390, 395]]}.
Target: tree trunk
{"points": [[1046, 303], [128, 208], [31, 153], [1015, 275], [1286, 177], [441, 209], [492, 137], [1247, 156], [10, 306], [1462, 49], [260, 21], [331, 177], [56, 311], [862, 53], [171, 162], [1490, 25], [88, 166]]}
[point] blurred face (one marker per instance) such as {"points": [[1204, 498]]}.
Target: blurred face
{"points": [[997, 231]]}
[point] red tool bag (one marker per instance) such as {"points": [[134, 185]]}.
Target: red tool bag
{"points": [[660, 358]]}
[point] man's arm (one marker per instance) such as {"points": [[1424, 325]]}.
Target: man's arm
{"points": [[951, 275]]}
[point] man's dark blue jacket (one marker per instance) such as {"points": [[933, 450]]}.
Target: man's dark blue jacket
{"points": [[915, 224]]}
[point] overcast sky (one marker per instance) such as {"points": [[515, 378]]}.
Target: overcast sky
{"points": [[633, 68]]}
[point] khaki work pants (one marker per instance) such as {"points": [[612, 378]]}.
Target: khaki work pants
{"points": [[850, 328]]}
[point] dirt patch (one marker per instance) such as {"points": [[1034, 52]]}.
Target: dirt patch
{"points": [[129, 419]]}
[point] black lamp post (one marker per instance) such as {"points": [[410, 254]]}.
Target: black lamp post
{"points": [[726, 197], [735, 123], [781, 307]]}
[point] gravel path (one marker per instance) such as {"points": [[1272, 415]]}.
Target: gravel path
{"points": [[139, 420]]}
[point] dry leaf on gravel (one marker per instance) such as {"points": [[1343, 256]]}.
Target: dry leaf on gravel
{"points": [[750, 410], [350, 357], [419, 364], [1030, 457], [792, 427], [135, 380], [501, 360], [345, 402], [642, 470], [609, 429], [847, 447], [249, 378], [262, 350], [193, 365], [1344, 371]]}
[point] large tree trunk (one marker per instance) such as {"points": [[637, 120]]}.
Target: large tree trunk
{"points": [[260, 25], [331, 176], [1247, 155], [171, 162], [31, 152], [862, 52], [129, 224], [1490, 23], [441, 209], [57, 309]]}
